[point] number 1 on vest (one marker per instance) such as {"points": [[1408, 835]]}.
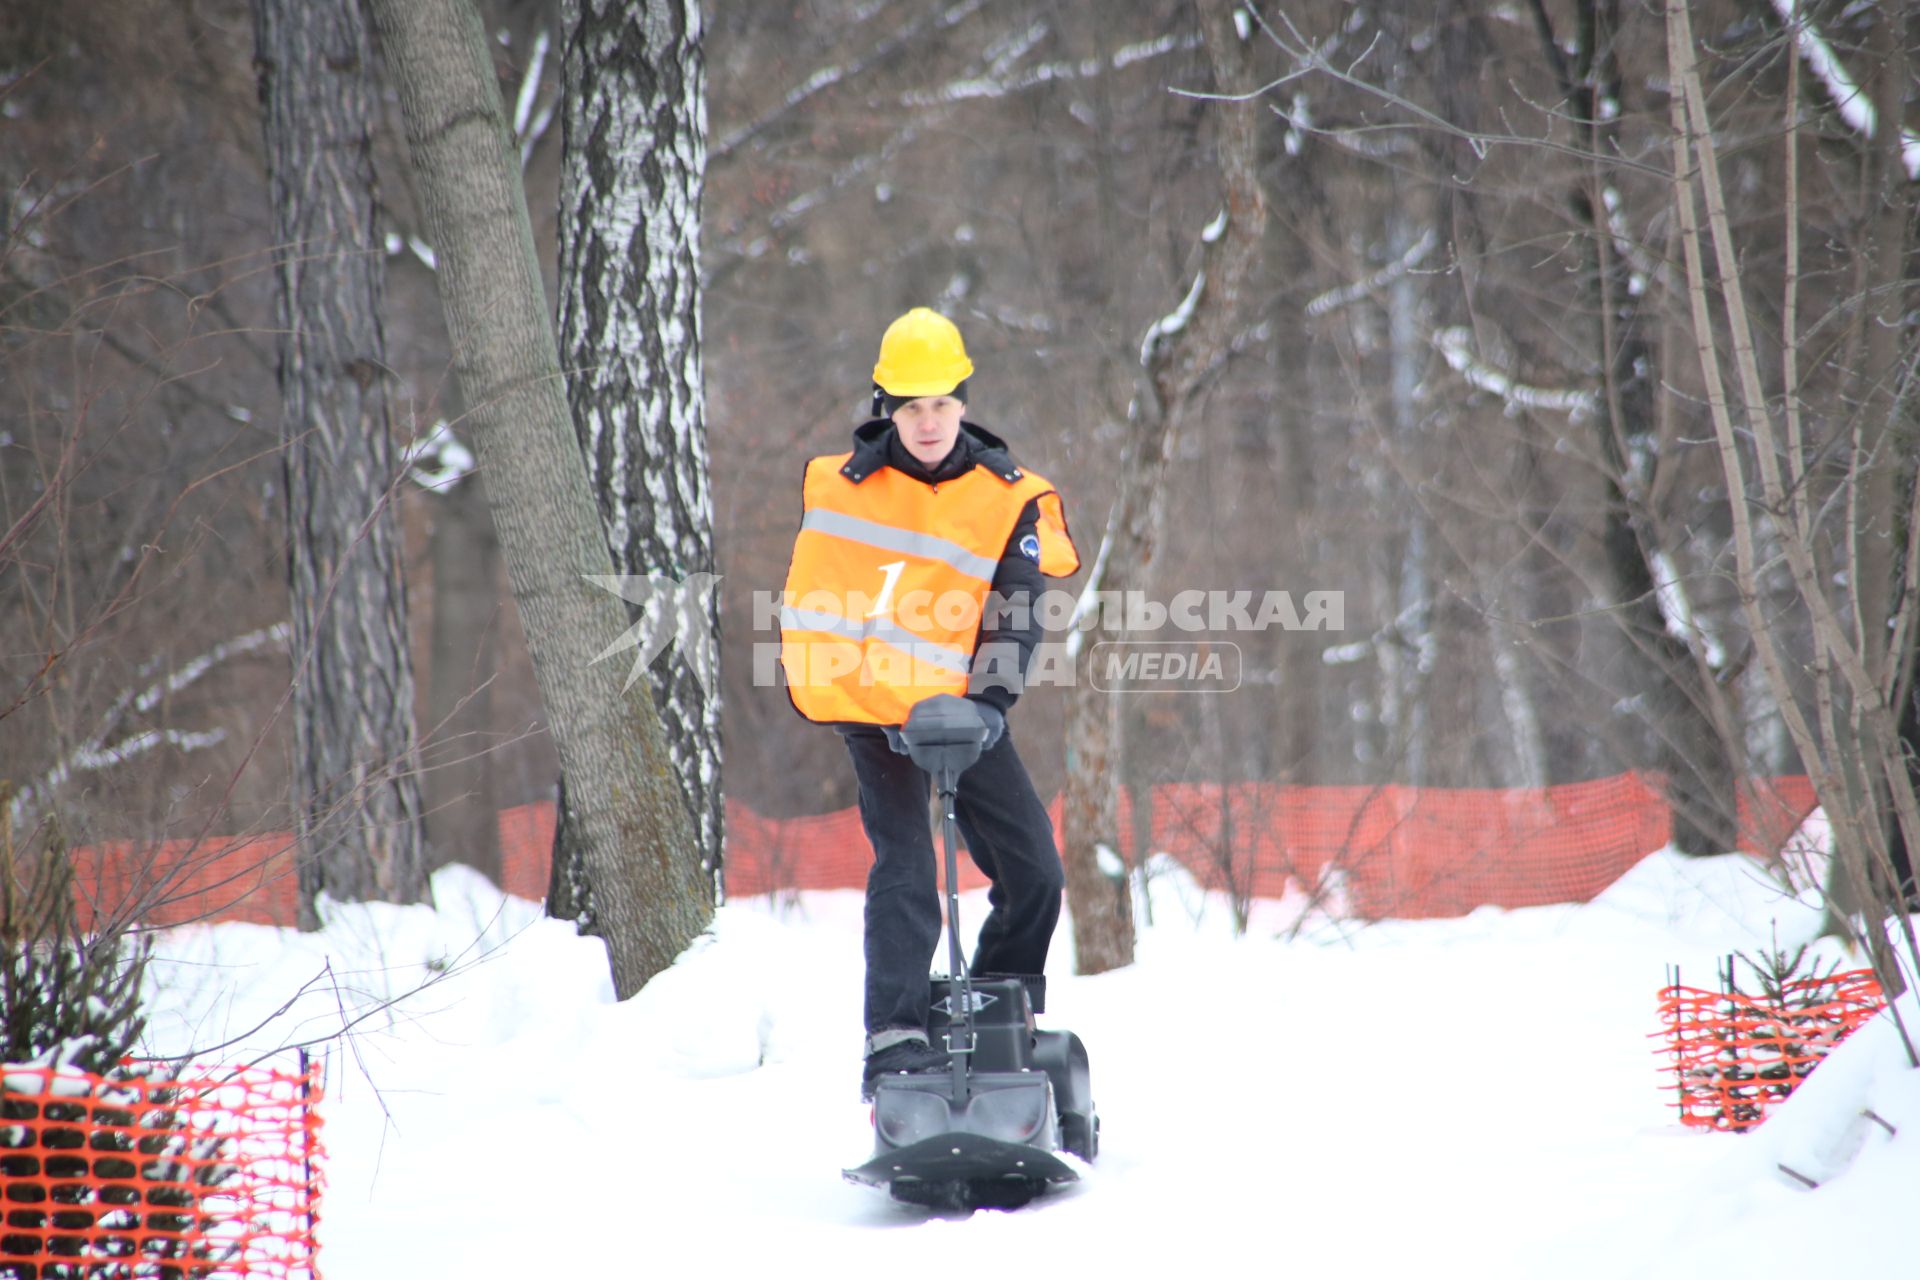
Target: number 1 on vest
{"points": [[884, 605]]}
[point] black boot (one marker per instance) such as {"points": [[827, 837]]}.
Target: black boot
{"points": [[906, 1057]]}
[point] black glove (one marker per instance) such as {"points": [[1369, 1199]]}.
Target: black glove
{"points": [[990, 716], [995, 721]]}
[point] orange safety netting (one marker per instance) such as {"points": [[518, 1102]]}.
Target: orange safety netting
{"points": [[1734, 1055], [1399, 851], [1388, 851], [244, 878], [211, 1175], [1412, 851]]}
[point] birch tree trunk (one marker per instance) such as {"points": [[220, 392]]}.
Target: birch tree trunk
{"points": [[635, 158], [355, 768], [1179, 355], [632, 830]]}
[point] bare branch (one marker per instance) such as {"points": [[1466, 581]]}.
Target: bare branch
{"points": [[96, 754], [1455, 344], [1849, 99], [825, 78], [1311, 57]]}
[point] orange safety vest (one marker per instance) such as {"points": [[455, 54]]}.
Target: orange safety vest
{"points": [[889, 581]]}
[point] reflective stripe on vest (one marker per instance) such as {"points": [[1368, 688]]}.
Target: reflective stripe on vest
{"points": [[888, 538], [942, 656], [888, 582]]}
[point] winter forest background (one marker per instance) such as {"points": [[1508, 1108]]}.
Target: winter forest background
{"points": [[1456, 372]]}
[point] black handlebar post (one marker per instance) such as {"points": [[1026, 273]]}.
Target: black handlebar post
{"points": [[960, 985], [944, 735]]}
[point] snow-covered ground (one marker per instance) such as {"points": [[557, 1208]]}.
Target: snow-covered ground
{"points": [[1475, 1097]]}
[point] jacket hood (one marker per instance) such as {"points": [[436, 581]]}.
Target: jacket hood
{"points": [[984, 449]]}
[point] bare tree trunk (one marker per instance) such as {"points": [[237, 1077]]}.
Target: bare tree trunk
{"points": [[1236, 872], [1528, 743], [355, 768], [463, 814], [1138, 780], [635, 157], [1870, 743], [1883, 437], [1418, 617], [1880, 413], [1182, 353], [1899, 854], [1686, 735], [1101, 902], [1300, 674], [632, 828]]}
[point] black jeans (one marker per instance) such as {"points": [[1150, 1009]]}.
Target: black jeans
{"points": [[1010, 838]]}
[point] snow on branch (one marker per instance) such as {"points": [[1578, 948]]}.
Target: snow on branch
{"points": [[535, 132], [995, 80], [1334, 299], [1643, 268], [825, 78], [530, 85], [1455, 344], [1176, 320], [1367, 142], [438, 460], [1002, 84], [398, 244], [1005, 53], [96, 753], [1848, 97], [1173, 322], [1394, 633], [1676, 609], [1318, 58], [1341, 655], [141, 743], [1090, 593], [150, 698], [530, 126], [865, 163]]}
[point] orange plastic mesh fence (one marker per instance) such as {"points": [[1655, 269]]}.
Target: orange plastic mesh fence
{"points": [[1733, 1055], [210, 1175], [1408, 852], [1389, 851], [246, 878], [1413, 852]]}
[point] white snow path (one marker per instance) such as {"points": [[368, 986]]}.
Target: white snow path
{"points": [[1476, 1096]]}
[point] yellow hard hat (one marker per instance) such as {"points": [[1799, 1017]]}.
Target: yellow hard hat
{"points": [[921, 354]]}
